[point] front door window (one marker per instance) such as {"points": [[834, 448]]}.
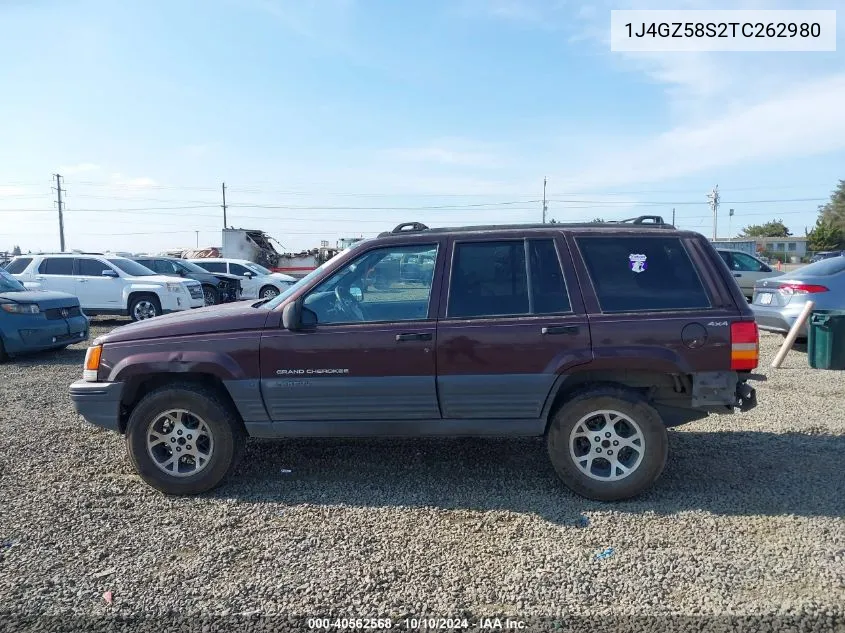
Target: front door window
{"points": [[383, 285]]}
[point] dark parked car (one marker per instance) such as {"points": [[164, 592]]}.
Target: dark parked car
{"points": [[216, 287], [596, 336], [37, 320], [825, 255]]}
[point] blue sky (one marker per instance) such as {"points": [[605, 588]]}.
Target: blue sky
{"points": [[336, 118]]}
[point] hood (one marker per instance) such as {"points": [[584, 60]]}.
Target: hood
{"points": [[225, 317], [283, 277], [45, 299], [226, 276]]}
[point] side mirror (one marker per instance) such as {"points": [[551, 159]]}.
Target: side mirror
{"points": [[356, 293], [765, 269], [296, 317], [109, 273], [248, 275]]}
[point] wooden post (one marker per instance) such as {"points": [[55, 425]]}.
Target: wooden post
{"points": [[793, 333]]}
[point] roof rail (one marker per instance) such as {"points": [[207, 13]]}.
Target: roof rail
{"points": [[641, 219], [406, 227]]}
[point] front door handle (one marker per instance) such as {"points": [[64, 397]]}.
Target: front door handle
{"points": [[414, 336], [82, 281], [737, 274], [560, 329]]}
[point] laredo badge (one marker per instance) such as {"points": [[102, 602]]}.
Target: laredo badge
{"points": [[638, 262]]}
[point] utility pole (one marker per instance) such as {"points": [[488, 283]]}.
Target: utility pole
{"points": [[730, 215], [673, 216], [60, 204], [713, 197], [224, 206], [545, 208], [198, 238]]}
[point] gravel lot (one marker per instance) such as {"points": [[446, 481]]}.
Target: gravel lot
{"points": [[747, 520]]}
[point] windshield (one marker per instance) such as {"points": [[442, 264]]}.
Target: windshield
{"points": [[131, 268], [191, 267], [829, 266], [259, 269], [9, 283]]}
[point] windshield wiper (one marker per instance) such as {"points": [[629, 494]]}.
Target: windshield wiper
{"points": [[261, 302]]}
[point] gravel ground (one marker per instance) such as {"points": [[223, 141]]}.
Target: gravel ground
{"points": [[747, 520]]}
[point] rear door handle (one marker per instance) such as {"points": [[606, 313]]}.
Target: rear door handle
{"points": [[415, 336], [39, 279], [560, 329], [737, 274], [82, 281]]}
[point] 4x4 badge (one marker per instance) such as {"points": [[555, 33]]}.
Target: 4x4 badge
{"points": [[638, 262]]}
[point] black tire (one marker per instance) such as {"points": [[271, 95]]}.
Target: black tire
{"points": [[268, 292], [225, 428], [211, 296], [628, 403], [147, 300], [3, 355]]}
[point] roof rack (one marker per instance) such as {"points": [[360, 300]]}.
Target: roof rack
{"points": [[68, 253], [642, 221]]}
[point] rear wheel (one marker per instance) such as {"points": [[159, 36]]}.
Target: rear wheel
{"points": [[3, 354], [211, 296], [184, 439], [607, 443], [144, 307]]}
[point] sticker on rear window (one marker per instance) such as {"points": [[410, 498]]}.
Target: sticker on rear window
{"points": [[638, 262]]}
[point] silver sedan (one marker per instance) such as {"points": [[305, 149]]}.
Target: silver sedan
{"points": [[778, 301]]}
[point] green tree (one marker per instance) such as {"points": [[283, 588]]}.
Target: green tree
{"points": [[825, 236], [775, 228], [834, 210], [599, 220]]}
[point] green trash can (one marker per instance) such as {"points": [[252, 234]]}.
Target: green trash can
{"points": [[826, 339]]}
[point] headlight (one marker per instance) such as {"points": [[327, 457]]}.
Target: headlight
{"points": [[20, 308], [177, 287]]}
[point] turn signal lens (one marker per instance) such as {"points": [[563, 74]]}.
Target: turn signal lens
{"points": [[92, 363], [745, 345]]}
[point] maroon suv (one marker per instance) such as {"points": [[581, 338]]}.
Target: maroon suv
{"points": [[596, 336]]}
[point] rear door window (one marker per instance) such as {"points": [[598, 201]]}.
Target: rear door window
{"points": [[213, 267], [56, 266], [496, 279], [642, 274], [17, 266]]}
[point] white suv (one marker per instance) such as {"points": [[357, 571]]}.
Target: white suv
{"points": [[107, 284], [256, 281]]}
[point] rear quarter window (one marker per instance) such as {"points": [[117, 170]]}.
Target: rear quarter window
{"points": [[17, 266], [642, 274]]}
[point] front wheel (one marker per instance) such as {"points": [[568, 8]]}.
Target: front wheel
{"points": [[144, 307], [211, 296], [184, 439], [607, 443], [268, 292]]}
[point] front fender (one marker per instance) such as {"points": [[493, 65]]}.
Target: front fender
{"points": [[217, 364]]}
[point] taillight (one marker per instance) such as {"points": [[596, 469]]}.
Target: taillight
{"points": [[745, 345], [802, 288]]}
